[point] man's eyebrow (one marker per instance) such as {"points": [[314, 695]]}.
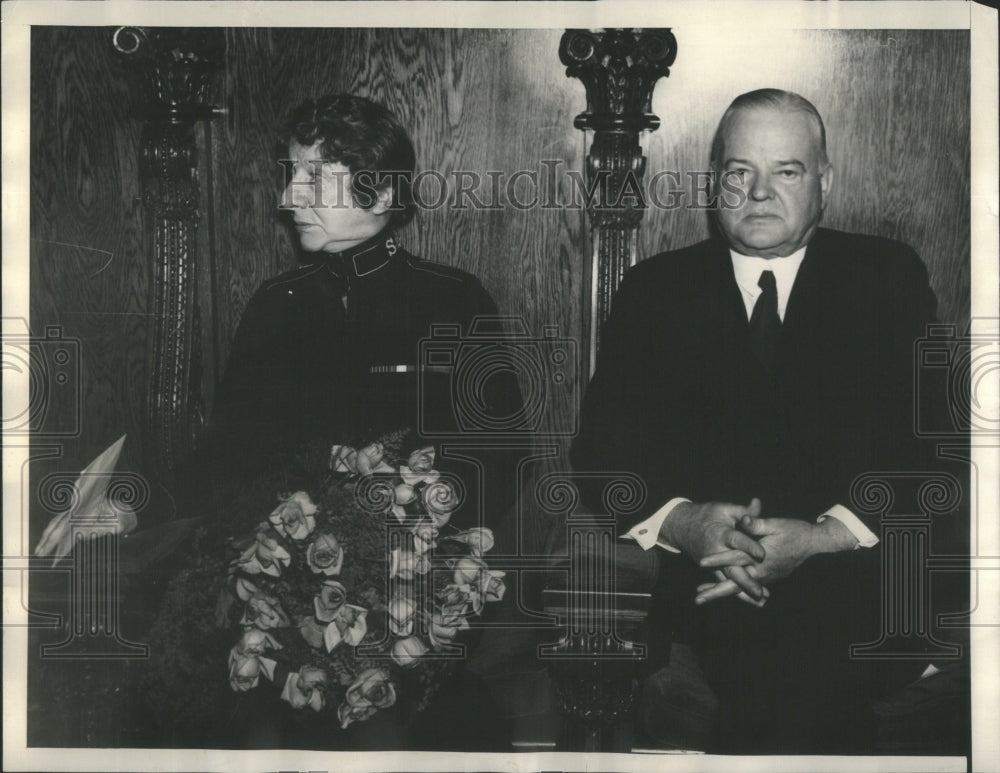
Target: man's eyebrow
{"points": [[791, 162], [738, 161]]}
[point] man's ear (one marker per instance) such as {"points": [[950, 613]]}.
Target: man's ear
{"points": [[383, 200], [825, 184]]}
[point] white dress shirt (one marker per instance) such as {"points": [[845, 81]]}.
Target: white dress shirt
{"points": [[747, 270]]}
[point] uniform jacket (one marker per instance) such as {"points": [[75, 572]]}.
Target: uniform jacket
{"points": [[332, 351]]}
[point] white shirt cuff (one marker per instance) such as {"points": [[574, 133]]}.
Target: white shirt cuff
{"points": [[864, 535], [647, 533]]}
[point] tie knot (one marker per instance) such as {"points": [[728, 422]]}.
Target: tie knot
{"points": [[766, 281]]}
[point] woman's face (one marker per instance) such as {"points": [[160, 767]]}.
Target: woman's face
{"points": [[319, 197]]}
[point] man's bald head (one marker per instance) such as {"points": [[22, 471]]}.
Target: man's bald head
{"points": [[769, 99]]}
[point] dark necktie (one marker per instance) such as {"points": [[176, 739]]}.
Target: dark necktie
{"points": [[765, 324]]}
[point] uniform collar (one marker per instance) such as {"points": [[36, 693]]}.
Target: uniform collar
{"points": [[365, 259]]}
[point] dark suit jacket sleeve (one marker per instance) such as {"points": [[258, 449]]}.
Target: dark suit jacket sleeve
{"points": [[908, 306], [625, 393]]}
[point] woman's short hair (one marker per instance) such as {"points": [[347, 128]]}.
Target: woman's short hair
{"points": [[367, 139]]}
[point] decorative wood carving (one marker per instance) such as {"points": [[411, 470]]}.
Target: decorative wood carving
{"points": [[601, 606], [619, 69], [177, 66]]}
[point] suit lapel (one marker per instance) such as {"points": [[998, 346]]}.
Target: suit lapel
{"points": [[808, 287], [731, 311], [808, 311]]}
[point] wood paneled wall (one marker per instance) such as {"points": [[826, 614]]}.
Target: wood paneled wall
{"points": [[895, 105], [89, 267]]}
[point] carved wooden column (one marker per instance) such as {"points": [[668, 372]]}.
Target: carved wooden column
{"points": [[177, 66], [619, 69]]}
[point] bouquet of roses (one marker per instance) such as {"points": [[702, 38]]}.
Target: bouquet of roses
{"points": [[346, 595]]}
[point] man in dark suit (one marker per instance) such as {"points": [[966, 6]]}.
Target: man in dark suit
{"points": [[750, 379]]}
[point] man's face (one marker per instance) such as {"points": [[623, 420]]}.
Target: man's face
{"points": [[325, 214], [776, 158]]}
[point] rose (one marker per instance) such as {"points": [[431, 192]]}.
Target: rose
{"points": [[419, 468], [343, 459], [293, 518], [484, 585], [421, 460], [403, 494], [246, 661], [349, 625], [456, 599], [468, 569], [312, 631], [424, 536], [371, 688], [401, 613], [264, 611], [406, 651], [479, 540], [492, 586], [239, 587], [347, 714], [331, 598], [265, 555], [324, 555], [371, 691], [244, 588], [244, 671], [370, 459], [439, 499], [256, 642], [364, 462], [306, 688], [406, 564], [444, 626], [487, 584]]}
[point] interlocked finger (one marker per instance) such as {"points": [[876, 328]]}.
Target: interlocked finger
{"points": [[737, 540], [742, 577], [710, 591], [727, 558]]}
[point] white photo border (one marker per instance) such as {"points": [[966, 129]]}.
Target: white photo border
{"points": [[18, 17]]}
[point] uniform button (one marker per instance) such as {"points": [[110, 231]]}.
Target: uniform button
{"points": [[289, 292]]}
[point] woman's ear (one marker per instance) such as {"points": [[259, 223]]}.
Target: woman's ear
{"points": [[383, 200]]}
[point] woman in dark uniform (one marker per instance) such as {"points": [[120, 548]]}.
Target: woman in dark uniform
{"points": [[331, 351]]}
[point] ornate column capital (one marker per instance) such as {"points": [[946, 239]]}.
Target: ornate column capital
{"points": [[178, 66], [619, 69]]}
